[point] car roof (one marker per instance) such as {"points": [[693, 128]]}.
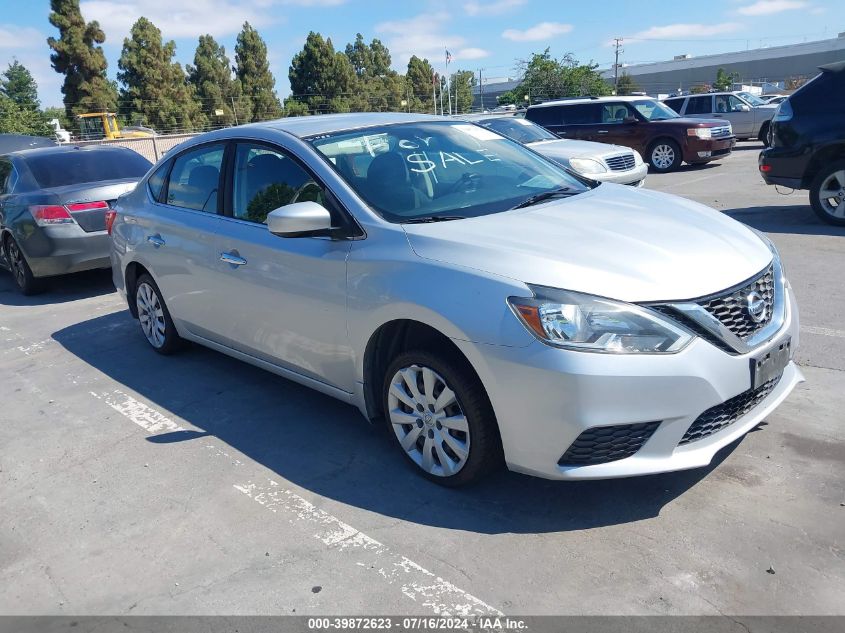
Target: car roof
{"points": [[557, 102], [834, 67], [306, 126], [68, 149]]}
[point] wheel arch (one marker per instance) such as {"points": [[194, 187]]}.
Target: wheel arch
{"points": [[131, 274], [821, 157]]}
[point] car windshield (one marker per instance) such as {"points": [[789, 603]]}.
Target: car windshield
{"points": [[452, 170], [518, 129], [752, 99], [654, 110]]}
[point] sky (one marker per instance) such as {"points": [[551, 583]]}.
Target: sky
{"points": [[480, 34]]}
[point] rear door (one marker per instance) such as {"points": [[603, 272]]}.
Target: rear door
{"points": [[177, 240], [582, 121], [549, 117], [281, 299], [699, 107]]}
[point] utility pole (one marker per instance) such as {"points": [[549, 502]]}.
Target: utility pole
{"points": [[481, 89], [619, 49]]}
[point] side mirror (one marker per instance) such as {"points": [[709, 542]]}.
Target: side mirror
{"points": [[299, 219], [630, 119], [743, 108]]}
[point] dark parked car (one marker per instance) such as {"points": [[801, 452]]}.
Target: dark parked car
{"points": [[53, 208], [656, 131], [17, 142], [807, 143]]}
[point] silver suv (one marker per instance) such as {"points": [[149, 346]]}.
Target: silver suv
{"points": [[482, 302], [749, 115]]}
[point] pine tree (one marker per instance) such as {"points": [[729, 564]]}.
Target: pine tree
{"points": [[154, 89], [381, 58], [360, 56], [78, 56], [420, 79], [19, 86], [322, 77], [626, 85], [214, 86], [253, 72]]}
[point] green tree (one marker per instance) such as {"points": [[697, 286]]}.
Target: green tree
{"points": [[321, 77], [15, 119], [544, 77], [154, 89], [17, 84], [215, 88], [724, 81], [294, 107], [420, 81], [627, 84], [360, 56], [461, 86], [381, 58], [78, 56], [257, 84]]}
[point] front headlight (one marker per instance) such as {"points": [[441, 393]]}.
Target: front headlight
{"points": [[700, 132], [587, 166], [577, 321]]}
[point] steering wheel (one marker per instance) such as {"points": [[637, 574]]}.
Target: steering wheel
{"points": [[466, 183]]}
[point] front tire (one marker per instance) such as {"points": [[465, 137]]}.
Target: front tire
{"points": [[441, 418], [156, 324], [26, 282], [664, 155], [827, 193]]}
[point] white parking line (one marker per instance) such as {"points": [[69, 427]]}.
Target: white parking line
{"points": [[415, 582], [823, 331]]}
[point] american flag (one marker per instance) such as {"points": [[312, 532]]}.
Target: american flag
{"points": [[448, 56]]}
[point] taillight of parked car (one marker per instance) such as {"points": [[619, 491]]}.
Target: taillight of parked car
{"points": [[50, 214], [784, 112], [111, 214]]}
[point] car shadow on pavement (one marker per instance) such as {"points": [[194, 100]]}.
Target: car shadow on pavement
{"points": [[325, 446], [797, 219], [92, 283]]}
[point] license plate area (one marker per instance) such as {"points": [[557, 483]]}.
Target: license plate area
{"points": [[771, 365]]}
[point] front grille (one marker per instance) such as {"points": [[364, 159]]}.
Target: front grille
{"points": [[602, 444], [723, 415], [620, 162], [732, 308], [720, 132]]}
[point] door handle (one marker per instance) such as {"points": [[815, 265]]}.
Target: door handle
{"points": [[718, 116], [602, 132], [231, 258], [155, 240]]}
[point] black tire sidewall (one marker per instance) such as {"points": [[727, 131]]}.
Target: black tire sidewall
{"points": [[31, 285], [172, 341], [815, 189], [485, 452], [678, 157]]}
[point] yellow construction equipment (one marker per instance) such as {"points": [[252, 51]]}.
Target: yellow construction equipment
{"points": [[103, 125]]}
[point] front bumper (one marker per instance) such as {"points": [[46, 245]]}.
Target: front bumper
{"points": [[64, 248], [699, 150], [544, 398], [635, 176]]}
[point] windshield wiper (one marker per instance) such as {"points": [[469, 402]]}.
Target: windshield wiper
{"points": [[563, 192], [425, 219]]}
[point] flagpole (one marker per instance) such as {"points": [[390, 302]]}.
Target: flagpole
{"points": [[448, 83]]}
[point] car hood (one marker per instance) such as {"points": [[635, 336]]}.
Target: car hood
{"points": [[564, 149], [613, 241]]}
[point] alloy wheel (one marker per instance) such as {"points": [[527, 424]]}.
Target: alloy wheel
{"points": [[662, 156], [16, 263], [150, 314], [832, 194], [428, 420]]}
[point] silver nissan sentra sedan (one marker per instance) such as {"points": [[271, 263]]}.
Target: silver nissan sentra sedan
{"points": [[483, 303]]}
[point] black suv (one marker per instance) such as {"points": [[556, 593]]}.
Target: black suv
{"points": [[807, 143]]}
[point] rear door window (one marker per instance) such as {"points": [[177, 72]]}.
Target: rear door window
{"points": [[675, 104], [582, 114], [58, 169], [194, 181], [549, 115], [700, 105]]}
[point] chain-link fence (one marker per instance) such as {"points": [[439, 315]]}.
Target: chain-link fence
{"points": [[150, 147]]}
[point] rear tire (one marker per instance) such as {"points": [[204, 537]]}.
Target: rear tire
{"points": [[26, 282], [439, 414], [664, 155], [827, 193], [154, 317]]}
